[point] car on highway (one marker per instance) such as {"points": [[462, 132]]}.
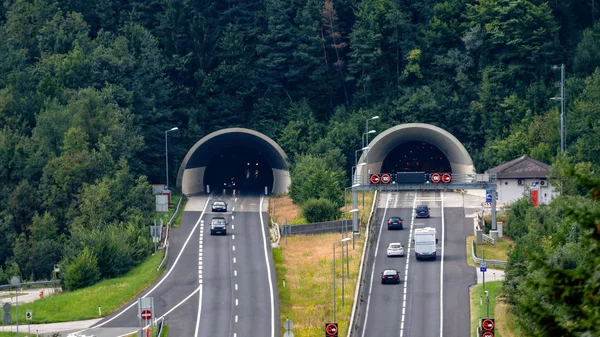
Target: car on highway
{"points": [[422, 211], [395, 249], [390, 276], [218, 225], [219, 206], [395, 222]]}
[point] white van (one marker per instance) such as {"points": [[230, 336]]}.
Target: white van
{"points": [[425, 243]]}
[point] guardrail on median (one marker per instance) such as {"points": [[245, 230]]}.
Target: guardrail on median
{"points": [[488, 239], [359, 280], [488, 262]]}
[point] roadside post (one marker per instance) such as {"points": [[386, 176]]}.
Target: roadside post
{"points": [[29, 317], [288, 325], [145, 313], [483, 267], [6, 317], [16, 281]]}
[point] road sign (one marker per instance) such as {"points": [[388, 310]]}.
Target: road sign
{"points": [[331, 329], [288, 325], [7, 318], [146, 314], [375, 179], [288, 334], [446, 178], [488, 195], [483, 267], [6, 307], [385, 178], [15, 281], [28, 315], [435, 178]]}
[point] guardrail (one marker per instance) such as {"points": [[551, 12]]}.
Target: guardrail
{"points": [[488, 239], [489, 262], [359, 281], [31, 284], [165, 244]]}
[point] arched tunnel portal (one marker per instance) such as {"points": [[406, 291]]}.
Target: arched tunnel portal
{"points": [[416, 147], [235, 158]]}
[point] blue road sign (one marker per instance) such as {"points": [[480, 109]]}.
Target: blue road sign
{"points": [[483, 267], [488, 195]]}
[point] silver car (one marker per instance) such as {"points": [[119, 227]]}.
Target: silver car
{"points": [[395, 249]]}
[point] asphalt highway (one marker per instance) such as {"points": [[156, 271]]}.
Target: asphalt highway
{"points": [[213, 285], [432, 299]]}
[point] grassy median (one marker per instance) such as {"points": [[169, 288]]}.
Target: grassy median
{"points": [[305, 263], [109, 295], [498, 251]]}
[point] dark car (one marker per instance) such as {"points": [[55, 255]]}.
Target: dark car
{"points": [[219, 206], [390, 276], [218, 225], [422, 211], [395, 222]]}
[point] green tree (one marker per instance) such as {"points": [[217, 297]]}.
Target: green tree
{"points": [[313, 177], [82, 271], [319, 210]]}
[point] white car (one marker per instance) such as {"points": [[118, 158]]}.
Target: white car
{"points": [[395, 249]]}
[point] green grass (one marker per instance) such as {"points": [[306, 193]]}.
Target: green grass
{"points": [[499, 251], [11, 295], [14, 334], [479, 311], [164, 333], [165, 216], [82, 304]]}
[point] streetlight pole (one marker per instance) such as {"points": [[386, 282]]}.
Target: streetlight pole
{"points": [[167, 155], [563, 129], [367, 137], [343, 274], [487, 304]]}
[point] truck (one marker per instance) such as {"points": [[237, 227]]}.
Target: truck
{"points": [[425, 243]]}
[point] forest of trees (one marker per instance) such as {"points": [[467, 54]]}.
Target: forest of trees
{"points": [[87, 89]]}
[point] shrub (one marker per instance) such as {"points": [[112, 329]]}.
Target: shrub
{"points": [[82, 271], [318, 210]]}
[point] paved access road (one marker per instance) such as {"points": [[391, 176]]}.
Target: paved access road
{"points": [[414, 307], [214, 285]]}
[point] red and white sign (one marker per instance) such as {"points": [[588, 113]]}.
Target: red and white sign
{"points": [[435, 178], [446, 178], [385, 178], [146, 314]]}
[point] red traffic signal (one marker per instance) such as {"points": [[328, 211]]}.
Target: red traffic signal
{"points": [[331, 330]]}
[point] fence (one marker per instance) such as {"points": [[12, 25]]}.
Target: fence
{"points": [[337, 226], [478, 260]]}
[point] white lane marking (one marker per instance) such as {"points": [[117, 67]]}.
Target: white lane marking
{"points": [[234, 248], [232, 236], [234, 261], [234, 334], [233, 209], [168, 312], [235, 199], [236, 286], [412, 227], [262, 226], [232, 226], [374, 260], [166, 275], [236, 318], [199, 311], [236, 302], [235, 273], [442, 274], [232, 217]]}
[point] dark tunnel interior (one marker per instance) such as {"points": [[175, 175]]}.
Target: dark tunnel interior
{"points": [[416, 157], [239, 168]]}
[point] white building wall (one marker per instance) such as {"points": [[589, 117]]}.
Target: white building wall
{"points": [[510, 191]]}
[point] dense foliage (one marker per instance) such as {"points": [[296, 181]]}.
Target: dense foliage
{"points": [[87, 89]]}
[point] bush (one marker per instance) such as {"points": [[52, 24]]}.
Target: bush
{"points": [[83, 271], [318, 210]]}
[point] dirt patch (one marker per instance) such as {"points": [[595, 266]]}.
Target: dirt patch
{"points": [[283, 210]]}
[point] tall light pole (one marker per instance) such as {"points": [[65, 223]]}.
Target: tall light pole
{"points": [[167, 155], [343, 276], [367, 138], [563, 129]]}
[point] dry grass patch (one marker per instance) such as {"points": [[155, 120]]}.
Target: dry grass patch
{"points": [[283, 210], [505, 320], [306, 265]]}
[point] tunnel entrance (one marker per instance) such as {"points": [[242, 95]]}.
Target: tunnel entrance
{"points": [[240, 168], [416, 156]]}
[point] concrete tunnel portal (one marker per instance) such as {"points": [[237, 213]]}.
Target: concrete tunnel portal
{"points": [[416, 147], [237, 159]]}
